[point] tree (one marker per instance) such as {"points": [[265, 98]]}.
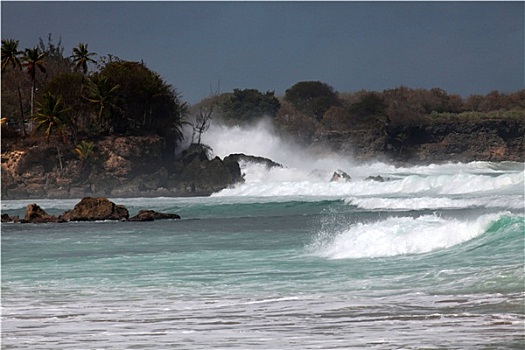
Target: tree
{"points": [[250, 104], [33, 60], [146, 103], [51, 117], [103, 94], [370, 104], [81, 57], [403, 106], [11, 56], [84, 151], [202, 122], [67, 85], [312, 97]]}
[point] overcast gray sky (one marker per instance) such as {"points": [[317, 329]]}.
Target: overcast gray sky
{"points": [[462, 47]]}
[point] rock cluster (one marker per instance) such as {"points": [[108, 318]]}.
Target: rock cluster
{"points": [[88, 209]]}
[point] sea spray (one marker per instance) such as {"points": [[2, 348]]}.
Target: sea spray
{"points": [[261, 140]]}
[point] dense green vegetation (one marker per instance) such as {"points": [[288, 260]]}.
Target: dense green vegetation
{"points": [[83, 97], [44, 90]]}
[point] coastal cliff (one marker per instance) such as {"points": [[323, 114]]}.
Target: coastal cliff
{"points": [[119, 167], [140, 166], [436, 142]]}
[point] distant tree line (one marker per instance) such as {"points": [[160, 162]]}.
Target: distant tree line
{"points": [[77, 97], [309, 107]]}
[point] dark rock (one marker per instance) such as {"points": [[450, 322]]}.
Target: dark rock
{"points": [[206, 177], [35, 214], [7, 218], [195, 151], [234, 168], [339, 176], [377, 178], [238, 157], [150, 215], [91, 209]]}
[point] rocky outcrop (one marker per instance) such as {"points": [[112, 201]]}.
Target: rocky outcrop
{"points": [[35, 214], [120, 167], [202, 176], [340, 176], [150, 215], [377, 178], [430, 141], [241, 157], [91, 209]]}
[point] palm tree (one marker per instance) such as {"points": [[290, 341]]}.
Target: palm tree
{"points": [[81, 57], [33, 60], [51, 118], [84, 151], [11, 55], [104, 94]]}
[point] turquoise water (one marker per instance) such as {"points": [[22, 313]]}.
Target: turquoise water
{"points": [[433, 259]]}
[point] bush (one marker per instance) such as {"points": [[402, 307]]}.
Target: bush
{"points": [[313, 98]]}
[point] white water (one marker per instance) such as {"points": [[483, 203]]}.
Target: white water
{"points": [[308, 175], [400, 235]]}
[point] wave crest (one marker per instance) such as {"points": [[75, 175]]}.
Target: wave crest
{"points": [[400, 236]]}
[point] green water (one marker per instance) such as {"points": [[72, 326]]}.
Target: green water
{"points": [[391, 268]]}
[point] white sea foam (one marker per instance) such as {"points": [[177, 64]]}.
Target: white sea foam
{"points": [[306, 174], [399, 236], [434, 203], [291, 182]]}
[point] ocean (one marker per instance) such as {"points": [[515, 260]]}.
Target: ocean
{"points": [[431, 258]]}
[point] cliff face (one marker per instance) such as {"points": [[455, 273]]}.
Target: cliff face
{"points": [[120, 167], [466, 141]]}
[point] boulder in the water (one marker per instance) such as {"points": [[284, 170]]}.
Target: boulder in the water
{"points": [[150, 215], [340, 176], [253, 159], [35, 214], [91, 209], [377, 178]]}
